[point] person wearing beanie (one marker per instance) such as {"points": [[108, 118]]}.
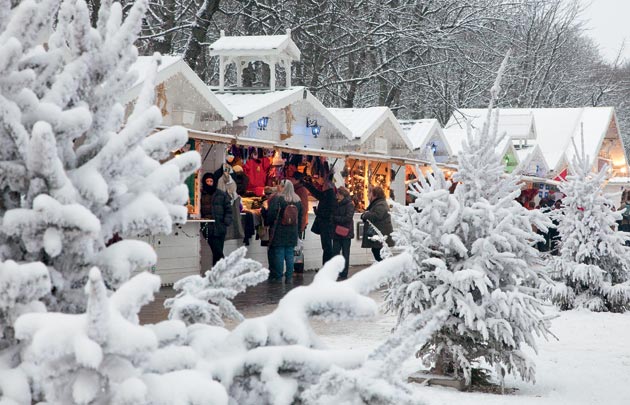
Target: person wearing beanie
{"points": [[240, 178], [216, 205]]}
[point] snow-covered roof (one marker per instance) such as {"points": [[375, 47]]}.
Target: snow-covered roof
{"points": [[420, 132], [362, 122], [596, 121], [555, 128], [171, 66], [256, 45], [250, 106], [455, 137]]}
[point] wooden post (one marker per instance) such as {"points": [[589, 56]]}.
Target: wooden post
{"points": [[221, 73], [272, 74], [239, 72], [287, 69]]}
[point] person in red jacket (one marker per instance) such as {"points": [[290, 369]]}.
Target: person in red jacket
{"points": [[256, 170]]}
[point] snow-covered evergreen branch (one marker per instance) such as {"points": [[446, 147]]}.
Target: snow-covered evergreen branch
{"points": [[207, 299]]}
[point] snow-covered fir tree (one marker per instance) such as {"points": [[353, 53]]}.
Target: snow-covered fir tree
{"points": [[593, 269], [473, 258], [76, 175], [207, 299], [104, 357]]}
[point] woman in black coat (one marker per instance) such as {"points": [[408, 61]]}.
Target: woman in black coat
{"points": [[343, 219], [215, 204], [284, 237], [323, 224], [378, 214]]}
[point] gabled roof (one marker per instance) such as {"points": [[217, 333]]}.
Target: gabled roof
{"points": [[362, 122], [596, 121], [526, 155], [455, 137], [170, 67], [420, 132], [256, 45], [250, 106], [555, 128]]}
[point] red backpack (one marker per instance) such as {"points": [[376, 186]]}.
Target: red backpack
{"points": [[290, 215]]}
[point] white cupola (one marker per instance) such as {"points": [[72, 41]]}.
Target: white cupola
{"points": [[241, 50]]}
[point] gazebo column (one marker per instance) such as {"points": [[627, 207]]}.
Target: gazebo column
{"points": [[221, 73], [239, 72], [272, 74], [287, 69]]}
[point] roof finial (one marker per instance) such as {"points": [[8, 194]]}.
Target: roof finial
{"points": [[222, 33], [289, 32]]}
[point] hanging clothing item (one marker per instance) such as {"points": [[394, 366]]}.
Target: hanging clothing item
{"points": [[256, 171], [235, 230]]}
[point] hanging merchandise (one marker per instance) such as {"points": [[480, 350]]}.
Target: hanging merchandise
{"points": [[256, 170], [356, 182]]}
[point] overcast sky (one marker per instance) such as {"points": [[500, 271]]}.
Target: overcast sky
{"points": [[609, 25]]}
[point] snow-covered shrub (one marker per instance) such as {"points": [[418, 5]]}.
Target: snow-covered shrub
{"points": [[104, 357], [593, 269], [378, 381], [473, 258], [207, 299], [74, 175], [273, 359]]}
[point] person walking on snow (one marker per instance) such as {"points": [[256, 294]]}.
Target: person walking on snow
{"points": [[216, 205]]}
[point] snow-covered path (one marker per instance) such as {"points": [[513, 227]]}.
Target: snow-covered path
{"points": [[588, 365]]}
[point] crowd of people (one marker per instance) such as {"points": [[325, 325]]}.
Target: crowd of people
{"points": [[284, 213]]}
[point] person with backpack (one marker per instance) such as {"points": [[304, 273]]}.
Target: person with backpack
{"points": [[284, 217]]}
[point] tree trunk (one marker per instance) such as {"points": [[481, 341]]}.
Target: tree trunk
{"points": [[203, 18], [165, 45]]}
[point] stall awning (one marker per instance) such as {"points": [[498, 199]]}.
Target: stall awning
{"points": [[312, 151], [230, 139], [262, 143], [534, 179]]}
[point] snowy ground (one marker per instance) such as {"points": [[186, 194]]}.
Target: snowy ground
{"points": [[588, 365]]}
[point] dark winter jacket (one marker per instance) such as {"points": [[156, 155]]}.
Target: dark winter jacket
{"points": [[216, 206], [378, 214], [283, 235], [241, 181], [344, 216], [323, 223], [327, 202]]}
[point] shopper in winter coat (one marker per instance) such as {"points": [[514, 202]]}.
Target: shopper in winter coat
{"points": [[378, 214], [284, 237], [240, 178], [302, 192], [323, 224], [343, 219], [215, 204]]}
